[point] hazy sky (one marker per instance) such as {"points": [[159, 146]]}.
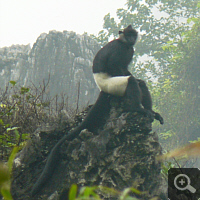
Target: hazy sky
{"points": [[22, 21]]}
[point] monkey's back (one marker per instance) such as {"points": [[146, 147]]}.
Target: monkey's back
{"points": [[113, 58]]}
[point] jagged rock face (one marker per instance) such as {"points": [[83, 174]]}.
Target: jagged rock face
{"points": [[13, 63], [118, 155], [64, 56]]}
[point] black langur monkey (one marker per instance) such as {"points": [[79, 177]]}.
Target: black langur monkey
{"points": [[110, 70]]}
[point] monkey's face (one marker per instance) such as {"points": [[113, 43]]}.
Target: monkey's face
{"points": [[130, 38], [128, 35]]}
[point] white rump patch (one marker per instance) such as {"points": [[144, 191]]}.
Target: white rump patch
{"points": [[113, 85]]}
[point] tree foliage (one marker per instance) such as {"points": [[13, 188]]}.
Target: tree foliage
{"points": [[166, 56], [181, 94]]}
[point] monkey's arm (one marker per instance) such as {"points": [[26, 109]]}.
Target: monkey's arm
{"points": [[147, 101], [101, 59]]}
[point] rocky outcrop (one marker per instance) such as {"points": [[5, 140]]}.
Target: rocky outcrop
{"points": [[65, 57], [118, 155], [14, 63]]}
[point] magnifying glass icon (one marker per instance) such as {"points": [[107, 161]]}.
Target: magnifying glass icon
{"points": [[181, 181]]}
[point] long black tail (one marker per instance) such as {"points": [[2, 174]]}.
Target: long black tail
{"points": [[52, 160], [92, 121]]}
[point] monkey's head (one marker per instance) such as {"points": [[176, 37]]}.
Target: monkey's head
{"points": [[128, 35]]}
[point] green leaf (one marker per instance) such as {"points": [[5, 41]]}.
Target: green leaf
{"points": [[110, 191], [134, 190], [1, 122], [11, 129], [2, 105], [5, 171], [88, 192], [13, 82], [24, 90], [5, 191], [4, 174], [12, 157], [124, 193], [192, 19], [17, 134], [25, 136], [7, 125], [73, 192]]}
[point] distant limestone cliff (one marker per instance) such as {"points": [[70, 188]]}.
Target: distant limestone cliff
{"points": [[64, 56]]}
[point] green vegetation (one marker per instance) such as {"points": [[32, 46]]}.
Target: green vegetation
{"points": [[91, 193], [22, 110], [5, 175]]}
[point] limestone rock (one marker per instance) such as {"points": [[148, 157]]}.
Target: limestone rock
{"points": [[118, 155], [64, 56]]}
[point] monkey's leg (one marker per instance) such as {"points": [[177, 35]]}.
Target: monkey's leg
{"points": [[145, 94], [123, 86], [147, 100], [96, 115], [134, 97]]}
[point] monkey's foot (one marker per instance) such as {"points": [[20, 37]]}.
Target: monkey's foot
{"points": [[159, 118]]}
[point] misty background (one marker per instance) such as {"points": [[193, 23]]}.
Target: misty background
{"points": [[22, 21]]}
